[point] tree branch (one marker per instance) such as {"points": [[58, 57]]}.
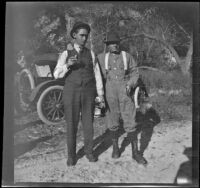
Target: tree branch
{"points": [[172, 50], [149, 68], [107, 25], [187, 34]]}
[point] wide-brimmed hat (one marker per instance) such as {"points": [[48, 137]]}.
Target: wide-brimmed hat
{"points": [[112, 37], [79, 25]]}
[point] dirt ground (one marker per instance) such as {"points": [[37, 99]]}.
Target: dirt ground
{"points": [[41, 154]]}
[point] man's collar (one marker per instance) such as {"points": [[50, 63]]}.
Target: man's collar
{"points": [[77, 47], [116, 53]]}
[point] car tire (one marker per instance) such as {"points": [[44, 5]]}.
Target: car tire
{"points": [[50, 108], [25, 84]]}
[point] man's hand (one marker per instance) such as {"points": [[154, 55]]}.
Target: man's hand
{"points": [[102, 101], [71, 61], [128, 90]]}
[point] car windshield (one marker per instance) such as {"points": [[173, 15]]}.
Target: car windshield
{"points": [[43, 71]]}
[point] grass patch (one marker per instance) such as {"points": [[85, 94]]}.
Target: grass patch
{"points": [[169, 81], [170, 106]]}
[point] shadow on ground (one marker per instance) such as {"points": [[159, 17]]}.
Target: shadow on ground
{"points": [[146, 123], [20, 127], [25, 147], [184, 174], [101, 143]]}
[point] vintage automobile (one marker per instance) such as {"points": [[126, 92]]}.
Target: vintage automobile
{"points": [[36, 89]]}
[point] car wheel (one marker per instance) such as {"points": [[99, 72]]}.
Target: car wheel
{"points": [[24, 83], [50, 107]]}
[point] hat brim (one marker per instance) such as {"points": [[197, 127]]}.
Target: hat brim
{"points": [[80, 26], [112, 42]]}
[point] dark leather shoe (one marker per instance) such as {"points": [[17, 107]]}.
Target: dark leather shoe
{"points": [[71, 162], [91, 158], [115, 155], [139, 158], [137, 155]]}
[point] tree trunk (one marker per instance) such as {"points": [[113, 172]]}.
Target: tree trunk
{"points": [[149, 68], [69, 23], [106, 34], [186, 64], [90, 36], [171, 49], [149, 49], [133, 50]]}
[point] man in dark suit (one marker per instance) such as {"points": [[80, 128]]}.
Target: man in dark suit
{"points": [[83, 81]]}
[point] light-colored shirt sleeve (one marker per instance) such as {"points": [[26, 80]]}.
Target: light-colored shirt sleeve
{"points": [[61, 67], [98, 78]]}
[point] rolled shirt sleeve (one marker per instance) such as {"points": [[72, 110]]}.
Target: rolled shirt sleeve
{"points": [[61, 67], [98, 78], [133, 70]]}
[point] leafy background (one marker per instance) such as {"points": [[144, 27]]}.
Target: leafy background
{"points": [[158, 35]]}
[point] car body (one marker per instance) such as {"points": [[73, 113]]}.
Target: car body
{"points": [[37, 89]]}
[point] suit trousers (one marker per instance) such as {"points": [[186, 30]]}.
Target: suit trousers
{"points": [[79, 99]]}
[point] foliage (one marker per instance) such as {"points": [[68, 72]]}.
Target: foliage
{"points": [[172, 107], [149, 33], [170, 80], [172, 91]]}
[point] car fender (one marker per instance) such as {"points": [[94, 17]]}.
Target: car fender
{"points": [[28, 72], [39, 88]]}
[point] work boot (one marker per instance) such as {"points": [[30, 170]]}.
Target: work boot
{"points": [[71, 161], [91, 157], [135, 153], [114, 137], [115, 153]]}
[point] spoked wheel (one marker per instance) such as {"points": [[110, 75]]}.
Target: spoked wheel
{"points": [[50, 107], [25, 86]]}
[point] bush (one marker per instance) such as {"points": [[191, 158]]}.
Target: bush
{"points": [[169, 106], [172, 107], [173, 80]]}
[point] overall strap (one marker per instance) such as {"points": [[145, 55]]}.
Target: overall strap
{"points": [[124, 60], [136, 97], [93, 57], [106, 60]]}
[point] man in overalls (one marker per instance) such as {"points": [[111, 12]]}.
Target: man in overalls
{"points": [[82, 81], [120, 74]]}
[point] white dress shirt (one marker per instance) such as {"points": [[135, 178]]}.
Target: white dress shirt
{"points": [[61, 69]]}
